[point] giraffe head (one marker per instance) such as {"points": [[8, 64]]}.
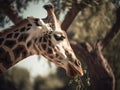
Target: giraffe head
{"points": [[55, 46], [62, 53]]}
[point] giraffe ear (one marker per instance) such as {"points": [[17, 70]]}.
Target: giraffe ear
{"points": [[51, 18]]}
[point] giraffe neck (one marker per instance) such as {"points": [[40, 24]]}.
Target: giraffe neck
{"points": [[19, 43]]}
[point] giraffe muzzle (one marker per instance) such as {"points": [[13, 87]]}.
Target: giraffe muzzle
{"points": [[74, 70]]}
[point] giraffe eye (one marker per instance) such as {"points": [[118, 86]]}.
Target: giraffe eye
{"points": [[59, 37]]}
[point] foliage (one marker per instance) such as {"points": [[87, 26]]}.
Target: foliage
{"points": [[93, 24], [80, 83], [15, 79], [52, 82], [19, 5], [112, 53], [116, 2]]}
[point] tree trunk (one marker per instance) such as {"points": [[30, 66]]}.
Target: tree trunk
{"points": [[101, 74]]}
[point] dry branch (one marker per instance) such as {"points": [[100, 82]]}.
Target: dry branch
{"points": [[113, 31], [71, 14], [8, 8]]}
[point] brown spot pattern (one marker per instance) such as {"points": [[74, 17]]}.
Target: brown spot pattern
{"points": [[44, 40], [23, 37], [52, 57], [29, 25], [1, 40], [20, 49], [16, 30], [68, 55], [10, 43], [16, 35], [49, 36], [28, 28], [49, 51], [5, 57], [40, 39], [9, 35], [49, 43], [29, 44], [22, 29], [44, 46]]}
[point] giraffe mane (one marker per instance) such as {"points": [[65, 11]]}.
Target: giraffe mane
{"points": [[14, 27]]}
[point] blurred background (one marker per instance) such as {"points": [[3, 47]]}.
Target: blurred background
{"points": [[91, 24]]}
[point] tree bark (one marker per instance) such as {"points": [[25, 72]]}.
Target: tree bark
{"points": [[113, 31], [72, 13], [101, 74], [10, 11]]}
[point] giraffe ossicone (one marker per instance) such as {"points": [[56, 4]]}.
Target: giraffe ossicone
{"points": [[41, 37]]}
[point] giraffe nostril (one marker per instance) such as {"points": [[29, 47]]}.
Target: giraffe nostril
{"points": [[77, 62]]}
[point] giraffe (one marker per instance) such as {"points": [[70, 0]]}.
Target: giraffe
{"points": [[41, 37]]}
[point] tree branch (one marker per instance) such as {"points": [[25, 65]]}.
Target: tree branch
{"points": [[113, 31], [101, 75], [72, 13], [9, 10], [76, 7]]}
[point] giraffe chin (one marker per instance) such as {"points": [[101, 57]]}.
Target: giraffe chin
{"points": [[74, 71]]}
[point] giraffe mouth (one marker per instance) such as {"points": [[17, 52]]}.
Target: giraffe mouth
{"points": [[73, 70]]}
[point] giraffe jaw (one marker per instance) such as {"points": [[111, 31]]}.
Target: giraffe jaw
{"points": [[73, 70]]}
